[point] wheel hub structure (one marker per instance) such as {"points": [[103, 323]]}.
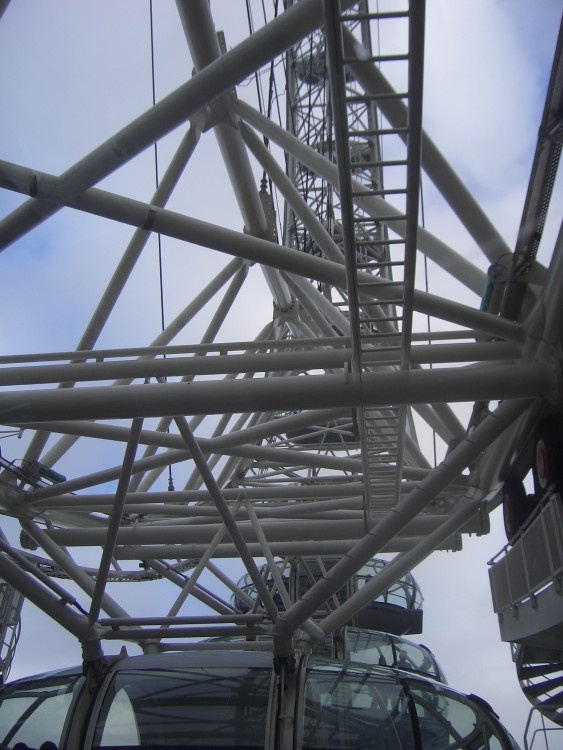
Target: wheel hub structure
{"points": [[234, 339]]}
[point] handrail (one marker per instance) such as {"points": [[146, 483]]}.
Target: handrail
{"points": [[538, 732], [532, 561]]}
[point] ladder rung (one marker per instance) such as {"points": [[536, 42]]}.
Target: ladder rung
{"points": [[378, 336], [387, 303], [390, 319], [379, 264], [365, 98], [375, 16], [380, 282], [383, 163], [366, 243], [381, 191], [388, 242], [395, 349], [377, 219], [379, 131], [382, 415], [375, 59]]}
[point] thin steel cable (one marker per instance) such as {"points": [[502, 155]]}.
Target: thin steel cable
{"points": [[156, 179]]}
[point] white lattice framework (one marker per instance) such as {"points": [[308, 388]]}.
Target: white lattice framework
{"points": [[230, 435]]}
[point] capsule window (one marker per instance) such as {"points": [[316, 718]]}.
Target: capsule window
{"points": [[349, 708], [197, 707], [453, 721], [34, 711]]}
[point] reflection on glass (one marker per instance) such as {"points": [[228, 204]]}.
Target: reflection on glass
{"points": [[351, 708], [175, 708], [382, 649], [451, 721], [34, 711]]}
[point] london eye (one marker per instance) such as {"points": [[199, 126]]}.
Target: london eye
{"points": [[260, 333]]}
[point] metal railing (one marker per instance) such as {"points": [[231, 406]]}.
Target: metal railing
{"points": [[533, 560], [542, 734]]}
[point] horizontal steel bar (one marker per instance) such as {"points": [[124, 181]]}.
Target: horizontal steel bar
{"points": [[175, 367], [326, 547], [216, 79], [534, 380], [278, 530], [250, 248], [248, 619], [99, 355]]}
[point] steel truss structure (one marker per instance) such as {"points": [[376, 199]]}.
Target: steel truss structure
{"points": [[231, 436]]}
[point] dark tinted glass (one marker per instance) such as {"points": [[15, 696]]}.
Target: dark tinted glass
{"points": [[354, 709], [199, 707], [34, 711]]}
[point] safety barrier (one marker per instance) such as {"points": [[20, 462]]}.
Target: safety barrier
{"points": [[533, 561]]}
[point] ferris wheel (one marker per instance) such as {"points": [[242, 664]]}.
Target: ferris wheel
{"points": [[252, 353]]}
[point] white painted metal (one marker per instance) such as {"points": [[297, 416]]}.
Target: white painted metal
{"points": [[231, 434]]}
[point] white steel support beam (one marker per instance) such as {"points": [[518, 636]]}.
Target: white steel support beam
{"points": [[47, 601], [403, 563], [533, 380], [251, 248], [138, 241], [264, 453], [292, 196], [323, 547], [200, 33], [435, 249], [407, 508], [199, 568], [171, 330], [270, 532], [27, 565], [228, 520], [114, 522], [166, 571], [188, 367], [75, 572], [199, 29], [211, 332], [257, 423], [176, 108]]}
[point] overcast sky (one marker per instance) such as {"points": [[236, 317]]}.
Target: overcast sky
{"points": [[72, 73]]}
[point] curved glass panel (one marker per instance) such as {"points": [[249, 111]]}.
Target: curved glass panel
{"points": [[450, 720], [404, 593], [354, 708], [384, 650], [34, 711], [195, 707]]}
